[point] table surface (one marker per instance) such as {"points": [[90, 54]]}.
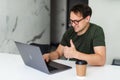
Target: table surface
{"points": [[13, 68]]}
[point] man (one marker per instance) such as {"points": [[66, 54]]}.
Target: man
{"points": [[82, 41]]}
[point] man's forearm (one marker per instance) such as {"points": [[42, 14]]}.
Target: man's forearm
{"points": [[54, 55], [92, 59]]}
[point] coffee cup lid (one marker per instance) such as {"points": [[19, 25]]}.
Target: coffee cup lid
{"points": [[81, 62]]}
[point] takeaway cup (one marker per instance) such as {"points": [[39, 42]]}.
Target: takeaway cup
{"points": [[81, 67]]}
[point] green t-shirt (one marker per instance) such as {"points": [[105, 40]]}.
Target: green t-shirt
{"points": [[85, 43]]}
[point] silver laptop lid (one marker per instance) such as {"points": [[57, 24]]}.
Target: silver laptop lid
{"points": [[32, 56]]}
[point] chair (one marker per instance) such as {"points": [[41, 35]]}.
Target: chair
{"points": [[116, 62]]}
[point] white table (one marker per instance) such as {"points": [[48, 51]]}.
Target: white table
{"points": [[13, 68]]}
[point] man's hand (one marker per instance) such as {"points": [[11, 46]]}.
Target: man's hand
{"points": [[46, 57], [69, 52]]}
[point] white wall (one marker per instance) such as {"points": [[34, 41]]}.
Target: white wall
{"points": [[106, 13], [25, 21]]}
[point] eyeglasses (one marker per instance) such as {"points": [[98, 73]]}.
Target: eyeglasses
{"points": [[76, 22]]}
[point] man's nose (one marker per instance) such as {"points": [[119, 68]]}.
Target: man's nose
{"points": [[73, 24]]}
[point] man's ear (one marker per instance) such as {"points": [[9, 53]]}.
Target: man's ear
{"points": [[87, 18]]}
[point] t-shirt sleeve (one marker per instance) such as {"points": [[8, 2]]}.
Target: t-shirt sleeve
{"points": [[99, 37]]}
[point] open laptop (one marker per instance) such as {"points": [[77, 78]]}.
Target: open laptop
{"points": [[32, 56]]}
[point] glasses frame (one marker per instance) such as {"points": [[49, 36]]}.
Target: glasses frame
{"points": [[76, 22]]}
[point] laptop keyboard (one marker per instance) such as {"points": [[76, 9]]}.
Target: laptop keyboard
{"points": [[51, 68]]}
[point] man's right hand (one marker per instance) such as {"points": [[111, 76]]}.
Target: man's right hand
{"points": [[46, 57]]}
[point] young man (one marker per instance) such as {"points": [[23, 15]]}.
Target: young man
{"points": [[82, 41]]}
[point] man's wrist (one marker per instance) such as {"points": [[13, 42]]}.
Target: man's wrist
{"points": [[75, 54]]}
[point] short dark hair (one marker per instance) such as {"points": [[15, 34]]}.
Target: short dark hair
{"points": [[83, 9]]}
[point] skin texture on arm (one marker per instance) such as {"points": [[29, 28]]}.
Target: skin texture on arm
{"points": [[98, 59]]}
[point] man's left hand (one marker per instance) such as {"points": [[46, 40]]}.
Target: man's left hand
{"points": [[69, 52]]}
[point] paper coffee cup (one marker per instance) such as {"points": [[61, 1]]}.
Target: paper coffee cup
{"points": [[81, 68]]}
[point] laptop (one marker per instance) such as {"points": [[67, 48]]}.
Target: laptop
{"points": [[32, 57]]}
